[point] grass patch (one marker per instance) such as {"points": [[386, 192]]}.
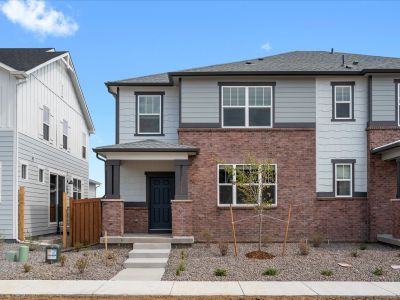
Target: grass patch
{"points": [[270, 272], [354, 254], [378, 271], [220, 272], [180, 268], [327, 272]]}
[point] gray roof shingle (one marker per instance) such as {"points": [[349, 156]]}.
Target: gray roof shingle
{"points": [[296, 62], [146, 146], [25, 59]]}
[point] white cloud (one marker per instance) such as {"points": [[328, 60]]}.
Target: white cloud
{"points": [[38, 17], [266, 47]]}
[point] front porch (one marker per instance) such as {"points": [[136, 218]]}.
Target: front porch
{"points": [[146, 192]]}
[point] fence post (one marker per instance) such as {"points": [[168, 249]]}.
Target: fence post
{"points": [[71, 222], [65, 202], [21, 214]]}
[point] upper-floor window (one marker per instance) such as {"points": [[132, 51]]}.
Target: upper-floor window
{"points": [[149, 113], [83, 146], [77, 189], [343, 101], [41, 175], [65, 135], [46, 123], [24, 171], [247, 106]]}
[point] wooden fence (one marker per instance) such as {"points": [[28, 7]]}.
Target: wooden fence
{"points": [[85, 221]]}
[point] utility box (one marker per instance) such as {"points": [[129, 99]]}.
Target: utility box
{"points": [[53, 253]]}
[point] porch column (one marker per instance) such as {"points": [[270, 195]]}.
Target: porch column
{"points": [[112, 179], [181, 179], [398, 178]]}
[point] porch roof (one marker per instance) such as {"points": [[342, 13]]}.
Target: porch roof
{"points": [[389, 151], [149, 145]]}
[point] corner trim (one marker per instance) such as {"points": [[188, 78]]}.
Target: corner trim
{"points": [[396, 100], [117, 117]]}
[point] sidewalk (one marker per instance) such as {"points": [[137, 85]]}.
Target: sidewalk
{"points": [[199, 288]]}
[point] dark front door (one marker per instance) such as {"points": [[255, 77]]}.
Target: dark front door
{"points": [[162, 190]]}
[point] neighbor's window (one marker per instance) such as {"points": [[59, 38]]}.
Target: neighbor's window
{"points": [[84, 146], [77, 189], [65, 135], [149, 114], [343, 180], [24, 171], [247, 106], [229, 193], [46, 123], [343, 101], [41, 175]]}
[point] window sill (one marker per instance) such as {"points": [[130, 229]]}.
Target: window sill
{"points": [[240, 207], [340, 198], [343, 120], [149, 134]]}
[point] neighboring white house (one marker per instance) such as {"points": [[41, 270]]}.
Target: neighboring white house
{"points": [[93, 185], [44, 132]]}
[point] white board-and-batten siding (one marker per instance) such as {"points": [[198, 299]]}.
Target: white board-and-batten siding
{"points": [[384, 98], [341, 140]]}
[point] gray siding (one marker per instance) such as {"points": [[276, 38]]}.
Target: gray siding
{"points": [[6, 184], [383, 98], [127, 111], [38, 154], [294, 99]]}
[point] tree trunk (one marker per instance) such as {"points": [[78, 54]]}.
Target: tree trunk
{"points": [[260, 229]]}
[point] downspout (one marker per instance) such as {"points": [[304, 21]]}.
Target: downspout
{"points": [[102, 158]]}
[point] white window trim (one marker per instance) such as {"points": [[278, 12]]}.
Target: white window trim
{"points": [[149, 114], [27, 170], [84, 144], [43, 122], [234, 188], [348, 180], [63, 134], [72, 185], [44, 175], [350, 102], [246, 106]]}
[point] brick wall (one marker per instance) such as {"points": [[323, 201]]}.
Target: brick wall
{"points": [[136, 219], [381, 182], [395, 204], [113, 217], [182, 214]]}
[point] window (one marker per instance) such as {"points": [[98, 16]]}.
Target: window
{"points": [[65, 135], [24, 171], [149, 109], [46, 123], [343, 180], [343, 102], [77, 189], [84, 146], [244, 106], [229, 193], [41, 175]]}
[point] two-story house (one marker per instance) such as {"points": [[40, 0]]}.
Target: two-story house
{"points": [[328, 121], [44, 133]]}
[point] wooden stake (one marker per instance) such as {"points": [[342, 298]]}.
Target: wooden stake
{"points": [[233, 231], [287, 230], [65, 203], [105, 240], [21, 214]]}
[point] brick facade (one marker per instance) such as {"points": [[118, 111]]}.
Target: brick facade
{"points": [[381, 182], [182, 217], [395, 207], [136, 220], [112, 216]]}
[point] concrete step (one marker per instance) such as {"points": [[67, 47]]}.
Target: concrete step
{"points": [[145, 263], [152, 246], [147, 239], [149, 253]]}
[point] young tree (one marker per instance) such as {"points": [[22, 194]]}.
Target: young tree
{"points": [[254, 182]]}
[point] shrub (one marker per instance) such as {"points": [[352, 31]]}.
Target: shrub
{"points": [[183, 255], [220, 272], [27, 267], [81, 264], [316, 240], [270, 272], [223, 248], [63, 259], [180, 268], [363, 247], [326, 272], [354, 253], [207, 238], [109, 255], [304, 248], [378, 271]]}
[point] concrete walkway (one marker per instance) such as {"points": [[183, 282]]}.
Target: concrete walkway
{"points": [[199, 288]]}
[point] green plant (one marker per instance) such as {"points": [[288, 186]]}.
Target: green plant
{"points": [[63, 259], [378, 271], [81, 264], [316, 240], [180, 268], [182, 255], [354, 253], [220, 272], [223, 248], [270, 272], [327, 272], [304, 248], [363, 247], [27, 267]]}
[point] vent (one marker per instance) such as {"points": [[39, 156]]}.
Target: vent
{"points": [[248, 62]]}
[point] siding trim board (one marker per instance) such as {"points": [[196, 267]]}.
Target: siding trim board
{"points": [[343, 83], [396, 101], [161, 94], [244, 83], [117, 117], [369, 86]]}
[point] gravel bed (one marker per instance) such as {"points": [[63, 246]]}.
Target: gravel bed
{"points": [[201, 262], [99, 268]]}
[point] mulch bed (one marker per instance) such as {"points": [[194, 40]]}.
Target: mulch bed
{"points": [[259, 255]]}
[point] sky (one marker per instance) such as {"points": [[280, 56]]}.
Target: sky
{"points": [[110, 40]]}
